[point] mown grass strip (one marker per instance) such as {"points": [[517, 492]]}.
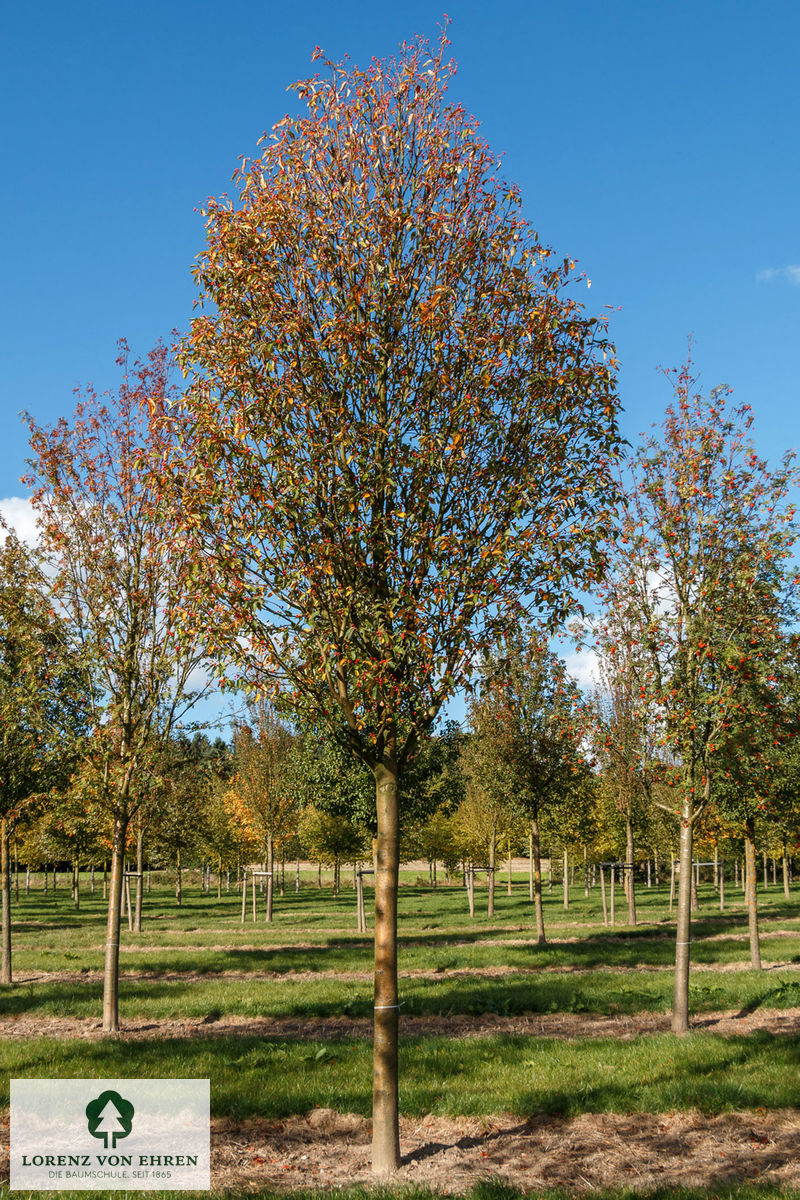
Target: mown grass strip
{"points": [[525, 1076], [598, 992]]}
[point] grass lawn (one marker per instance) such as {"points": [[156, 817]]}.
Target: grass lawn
{"points": [[200, 961]]}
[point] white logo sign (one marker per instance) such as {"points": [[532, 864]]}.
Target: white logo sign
{"points": [[101, 1134]]}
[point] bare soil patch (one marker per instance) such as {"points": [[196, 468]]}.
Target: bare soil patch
{"points": [[555, 1025]]}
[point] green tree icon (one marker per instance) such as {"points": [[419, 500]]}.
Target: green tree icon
{"points": [[109, 1116]]}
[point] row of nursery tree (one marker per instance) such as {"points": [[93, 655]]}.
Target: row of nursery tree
{"points": [[394, 470]]}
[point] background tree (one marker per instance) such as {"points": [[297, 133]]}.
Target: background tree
{"points": [[530, 720], [625, 733], [332, 839], [116, 580], [262, 786], [41, 708], [398, 423], [700, 575]]}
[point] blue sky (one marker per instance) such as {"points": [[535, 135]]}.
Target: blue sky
{"points": [[657, 143]]}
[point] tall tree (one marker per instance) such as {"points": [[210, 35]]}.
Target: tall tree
{"points": [[399, 421], [116, 579], [701, 579]]}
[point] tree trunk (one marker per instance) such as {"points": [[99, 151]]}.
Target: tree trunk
{"points": [[5, 885], [680, 1002], [492, 842], [785, 873], [385, 1115], [530, 865], [137, 917], [509, 867], [76, 892], [178, 878], [751, 892], [631, 887], [537, 882], [566, 877], [111, 971], [270, 867]]}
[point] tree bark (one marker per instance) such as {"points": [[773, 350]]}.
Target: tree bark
{"points": [[541, 940], [530, 865], [385, 1113], [786, 874], [680, 1001], [178, 878], [492, 843], [631, 887], [5, 884], [111, 970], [137, 916], [751, 898], [269, 880]]}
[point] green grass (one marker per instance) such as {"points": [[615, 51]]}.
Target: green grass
{"points": [[525, 1076], [600, 992], [187, 949]]}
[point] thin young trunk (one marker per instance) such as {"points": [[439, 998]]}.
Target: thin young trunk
{"points": [[385, 1114], [137, 914], [631, 887], [785, 873], [270, 867], [219, 877], [5, 884], [111, 971], [492, 841], [530, 865], [751, 892], [566, 878], [178, 878], [537, 882], [509, 867], [680, 1002], [76, 894]]}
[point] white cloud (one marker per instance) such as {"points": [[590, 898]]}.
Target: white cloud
{"points": [[790, 274], [18, 513], [582, 666]]}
